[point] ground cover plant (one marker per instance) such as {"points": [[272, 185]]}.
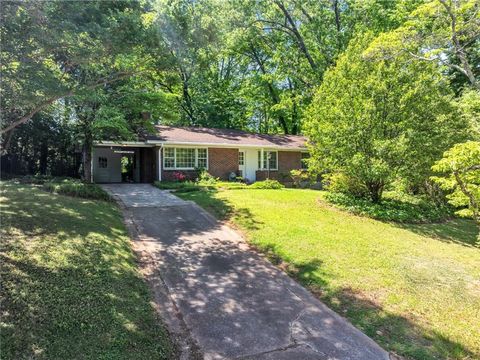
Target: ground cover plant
{"points": [[76, 188], [414, 288], [70, 284], [395, 206]]}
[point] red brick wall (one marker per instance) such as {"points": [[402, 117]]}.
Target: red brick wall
{"points": [[287, 160], [221, 162]]}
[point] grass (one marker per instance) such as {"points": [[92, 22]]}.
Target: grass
{"points": [[70, 283], [415, 289]]}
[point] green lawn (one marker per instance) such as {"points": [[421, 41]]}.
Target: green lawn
{"points": [[70, 284], [415, 289]]}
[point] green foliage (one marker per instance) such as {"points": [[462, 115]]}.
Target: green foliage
{"points": [[461, 166], [442, 32], [342, 183], [76, 188], [231, 185], [395, 207], [302, 178], [52, 50], [205, 179], [36, 179], [266, 184], [375, 119], [70, 282], [469, 105], [174, 185]]}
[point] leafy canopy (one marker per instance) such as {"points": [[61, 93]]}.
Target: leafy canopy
{"points": [[375, 119]]}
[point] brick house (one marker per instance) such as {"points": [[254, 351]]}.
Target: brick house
{"points": [[173, 150]]}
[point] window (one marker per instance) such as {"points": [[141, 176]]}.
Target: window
{"points": [[305, 157], [102, 162], [169, 158], [269, 161], [202, 158], [185, 158], [241, 158]]}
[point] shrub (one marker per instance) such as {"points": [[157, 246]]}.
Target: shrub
{"points": [[40, 179], [342, 183], [76, 188], [229, 185], [267, 184], [205, 178], [301, 178], [170, 185], [395, 206], [179, 176]]}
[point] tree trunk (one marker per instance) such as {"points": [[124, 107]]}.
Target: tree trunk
{"points": [[87, 158], [296, 34], [43, 158], [375, 189]]}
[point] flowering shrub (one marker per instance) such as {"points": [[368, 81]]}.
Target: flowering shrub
{"points": [[179, 176]]}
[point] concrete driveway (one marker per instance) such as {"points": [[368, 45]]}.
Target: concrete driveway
{"points": [[221, 299]]}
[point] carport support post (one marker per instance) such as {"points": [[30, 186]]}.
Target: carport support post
{"points": [[159, 163]]}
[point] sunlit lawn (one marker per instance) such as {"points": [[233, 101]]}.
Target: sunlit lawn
{"points": [[414, 289], [70, 285]]}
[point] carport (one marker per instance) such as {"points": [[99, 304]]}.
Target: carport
{"points": [[128, 162]]}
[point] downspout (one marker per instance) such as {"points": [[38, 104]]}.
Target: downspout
{"points": [[160, 163]]}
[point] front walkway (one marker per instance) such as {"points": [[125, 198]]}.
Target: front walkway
{"points": [[228, 301]]}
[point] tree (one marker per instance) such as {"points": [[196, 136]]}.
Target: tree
{"points": [[376, 119], [461, 168], [441, 31], [45, 45]]}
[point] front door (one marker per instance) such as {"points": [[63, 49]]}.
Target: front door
{"points": [[247, 164]]}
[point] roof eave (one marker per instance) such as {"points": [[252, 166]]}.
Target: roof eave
{"points": [[227, 145]]}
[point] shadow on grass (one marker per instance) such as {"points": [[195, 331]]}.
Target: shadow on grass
{"points": [[70, 287], [458, 231], [398, 334], [222, 209], [402, 335]]}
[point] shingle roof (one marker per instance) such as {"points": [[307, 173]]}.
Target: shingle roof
{"points": [[198, 135]]}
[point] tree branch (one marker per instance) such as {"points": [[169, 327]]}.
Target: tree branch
{"points": [[68, 93]]}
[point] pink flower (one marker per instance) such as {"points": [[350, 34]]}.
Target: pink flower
{"points": [[179, 176]]}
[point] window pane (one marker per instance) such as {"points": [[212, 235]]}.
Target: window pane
{"points": [[202, 163], [259, 160], [185, 158], [202, 158], [169, 155], [240, 158], [169, 163], [102, 162], [169, 152]]}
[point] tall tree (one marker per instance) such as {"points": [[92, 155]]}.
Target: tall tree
{"points": [[44, 44], [376, 119]]}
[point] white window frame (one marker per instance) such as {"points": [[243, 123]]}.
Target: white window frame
{"points": [[242, 152], [262, 157], [175, 157]]}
